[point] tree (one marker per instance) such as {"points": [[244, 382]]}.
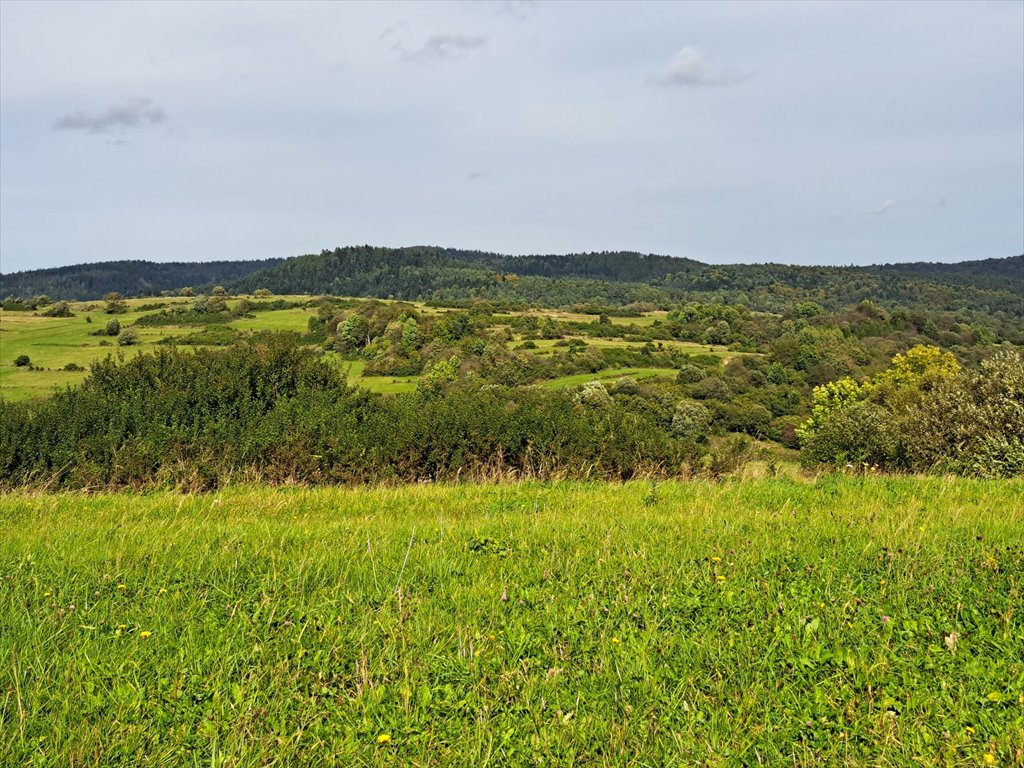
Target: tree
{"points": [[113, 328], [410, 336], [353, 333], [218, 290], [691, 421], [115, 303], [262, 293]]}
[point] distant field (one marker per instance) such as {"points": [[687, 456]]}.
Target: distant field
{"points": [[52, 343], [849, 622], [607, 375]]}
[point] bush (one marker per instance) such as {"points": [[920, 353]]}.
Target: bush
{"points": [[691, 421], [690, 374], [22, 360], [860, 433], [272, 407], [129, 337], [60, 309]]}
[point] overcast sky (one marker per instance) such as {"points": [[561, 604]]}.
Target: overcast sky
{"points": [[810, 133]]}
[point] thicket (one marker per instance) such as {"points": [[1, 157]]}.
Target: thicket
{"points": [[273, 410], [922, 414]]}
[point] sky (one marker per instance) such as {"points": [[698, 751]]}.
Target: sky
{"points": [[802, 133]]}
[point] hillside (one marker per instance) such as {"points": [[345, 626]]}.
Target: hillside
{"points": [[82, 282], [988, 286]]}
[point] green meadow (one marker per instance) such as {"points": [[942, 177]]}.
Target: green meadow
{"points": [[51, 343], [848, 621]]}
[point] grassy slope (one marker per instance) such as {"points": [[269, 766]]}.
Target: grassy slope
{"points": [[52, 343], [567, 624]]}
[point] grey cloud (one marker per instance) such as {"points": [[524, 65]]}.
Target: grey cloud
{"points": [[131, 113], [443, 46], [688, 67]]}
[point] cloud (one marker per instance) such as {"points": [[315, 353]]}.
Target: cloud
{"points": [[883, 209], [688, 67], [131, 113], [443, 46]]}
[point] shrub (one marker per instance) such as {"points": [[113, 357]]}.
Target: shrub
{"points": [[690, 374], [860, 433], [60, 309], [691, 421], [593, 395], [128, 337], [22, 360]]}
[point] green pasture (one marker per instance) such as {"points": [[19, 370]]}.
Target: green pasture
{"points": [[607, 376], [53, 342], [847, 622]]}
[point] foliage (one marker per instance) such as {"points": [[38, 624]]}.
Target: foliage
{"points": [[923, 413], [691, 420]]}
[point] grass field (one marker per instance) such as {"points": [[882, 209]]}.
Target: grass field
{"points": [[51, 343], [852, 621], [607, 376]]}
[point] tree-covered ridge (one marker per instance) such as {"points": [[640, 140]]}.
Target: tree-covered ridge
{"points": [[991, 286], [83, 282]]}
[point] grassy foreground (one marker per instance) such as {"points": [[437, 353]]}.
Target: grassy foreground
{"points": [[849, 622]]}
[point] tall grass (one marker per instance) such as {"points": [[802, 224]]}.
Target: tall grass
{"points": [[855, 621]]}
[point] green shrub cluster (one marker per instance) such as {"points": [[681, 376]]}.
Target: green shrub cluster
{"points": [[272, 409], [923, 414]]}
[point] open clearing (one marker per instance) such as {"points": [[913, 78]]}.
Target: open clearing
{"points": [[851, 621]]}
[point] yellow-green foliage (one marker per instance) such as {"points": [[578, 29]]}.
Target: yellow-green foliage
{"points": [[856, 621]]}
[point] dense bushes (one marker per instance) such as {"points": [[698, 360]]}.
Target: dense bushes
{"points": [[923, 414], [274, 410]]}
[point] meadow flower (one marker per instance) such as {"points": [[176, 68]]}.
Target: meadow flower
{"points": [[885, 619], [716, 559], [122, 586], [47, 594], [145, 633], [882, 582], [163, 591], [988, 759], [719, 578], [384, 738], [616, 640]]}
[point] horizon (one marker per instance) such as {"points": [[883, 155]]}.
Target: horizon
{"points": [[726, 133], [513, 256]]}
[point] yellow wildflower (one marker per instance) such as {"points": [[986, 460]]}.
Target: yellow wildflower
{"points": [[988, 759], [122, 586], [719, 578], [47, 594], [384, 738], [716, 559], [163, 590], [616, 640], [145, 633]]}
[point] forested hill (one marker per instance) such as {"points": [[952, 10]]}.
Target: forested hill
{"points": [[130, 278], [606, 278], [619, 278]]}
